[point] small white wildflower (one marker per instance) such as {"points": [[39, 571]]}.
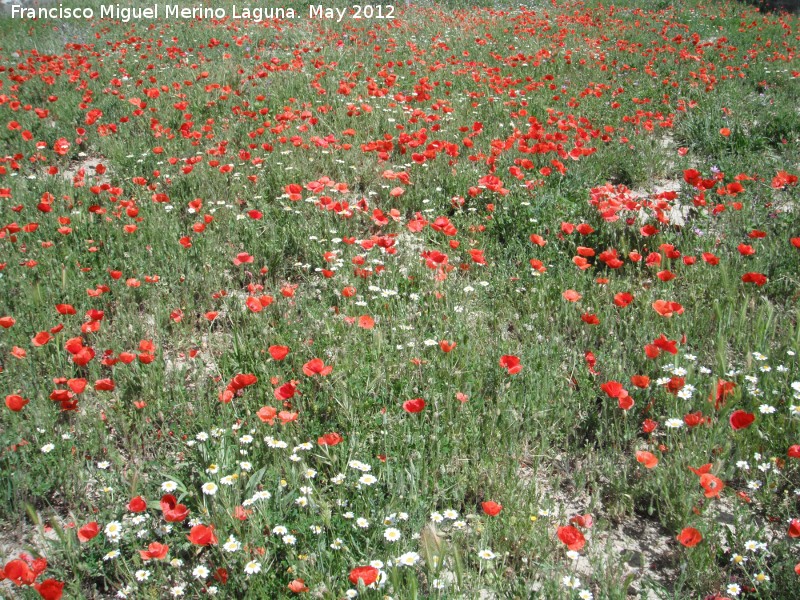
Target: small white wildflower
{"points": [[252, 567], [142, 575]]}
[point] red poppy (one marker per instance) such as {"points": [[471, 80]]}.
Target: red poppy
{"points": [[242, 258], [330, 439], [366, 322], [693, 419], [648, 459], [511, 364], [571, 537], [667, 309], [41, 338], [18, 572], [173, 512], [590, 319], [285, 392], [202, 535], [88, 531], [157, 551], [50, 589], [586, 521], [65, 309], [794, 528], [741, 419], [137, 505], [724, 389], [316, 367], [366, 575], [623, 299], [297, 586], [794, 451], [571, 296], [491, 508], [414, 405], [278, 352], [640, 381], [15, 402], [614, 389], [649, 426], [104, 385], [757, 278], [711, 484], [446, 346], [6, 322], [690, 537], [267, 414], [287, 417]]}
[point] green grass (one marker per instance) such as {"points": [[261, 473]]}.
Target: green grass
{"points": [[436, 104]]}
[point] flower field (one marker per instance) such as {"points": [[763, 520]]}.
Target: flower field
{"points": [[470, 302]]}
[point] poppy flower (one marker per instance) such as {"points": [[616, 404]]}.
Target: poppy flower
{"points": [[640, 381], [623, 299], [667, 309], [693, 419], [41, 338], [286, 416], [741, 419], [366, 575], [446, 346], [50, 589], [278, 352], [794, 451], [202, 535], [155, 551], [702, 470], [366, 322], [757, 278], [511, 364], [267, 414], [7, 322], [571, 296], [297, 586], [669, 346], [173, 512], [724, 389], [330, 439], [104, 385], [614, 389], [65, 309], [586, 521], [649, 426], [414, 405], [15, 402], [690, 537], [648, 459], [285, 392], [794, 528], [137, 505], [711, 484], [571, 537], [590, 319], [18, 572], [491, 508], [88, 531], [625, 402], [316, 367], [243, 258]]}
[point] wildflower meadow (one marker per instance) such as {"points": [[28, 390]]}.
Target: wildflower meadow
{"points": [[450, 300]]}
